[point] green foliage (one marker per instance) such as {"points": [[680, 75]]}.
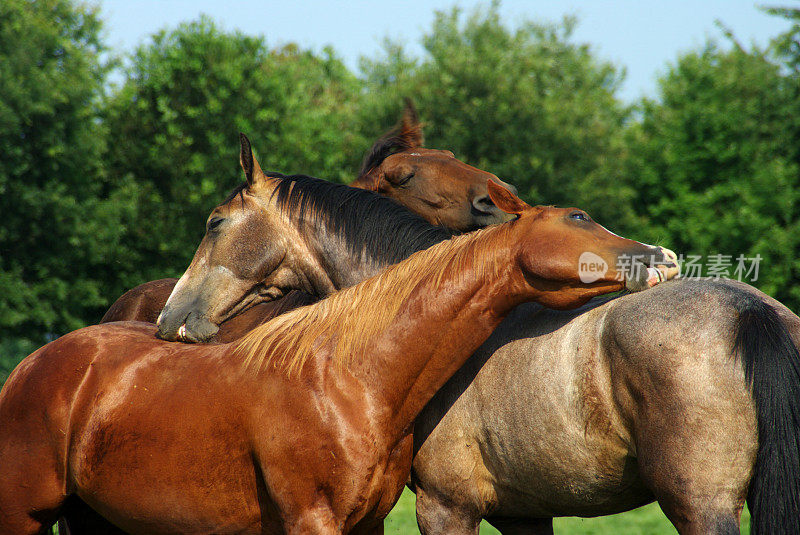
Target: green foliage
{"points": [[714, 163], [58, 219]]}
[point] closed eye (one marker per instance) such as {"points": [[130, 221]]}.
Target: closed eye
{"points": [[400, 175], [214, 223], [406, 178]]}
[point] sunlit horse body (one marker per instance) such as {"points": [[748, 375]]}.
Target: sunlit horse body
{"points": [[294, 428], [431, 183]]}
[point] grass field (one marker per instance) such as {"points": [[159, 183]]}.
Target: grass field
{"points": [[647, 520]]}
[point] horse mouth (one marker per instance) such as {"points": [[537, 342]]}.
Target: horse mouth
{"points": [[196, 328], [665, 270], [647, 276]]}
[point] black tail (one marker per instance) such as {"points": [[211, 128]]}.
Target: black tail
{"points": [[772, 367]]}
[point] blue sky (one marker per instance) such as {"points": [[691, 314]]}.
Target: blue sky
{"points": [[641, 35]]}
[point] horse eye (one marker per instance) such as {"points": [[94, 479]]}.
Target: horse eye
{"points": [[214, 223], [400, 176], [579, 216], [406, 178]]}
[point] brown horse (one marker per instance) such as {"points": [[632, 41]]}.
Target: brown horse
{"points": [[294, 428], [342, 221], [431, 183]]}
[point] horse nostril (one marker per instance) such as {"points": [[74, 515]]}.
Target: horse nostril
{"points": [[483, 203]]}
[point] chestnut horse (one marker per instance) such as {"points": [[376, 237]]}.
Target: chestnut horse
{"points": [[431, 183], [293, 428]]}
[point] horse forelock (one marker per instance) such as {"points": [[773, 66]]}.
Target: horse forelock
{"points": [[389, 144], [238, 191], [349, 320]]}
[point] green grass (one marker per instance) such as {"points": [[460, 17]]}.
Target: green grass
{"points": [[647, 520]]}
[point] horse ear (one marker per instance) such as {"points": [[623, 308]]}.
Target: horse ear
{"points": [[505, 200], [410, 127], [252, 171]]}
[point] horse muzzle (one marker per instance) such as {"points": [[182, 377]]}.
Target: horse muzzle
{"points": [[183, 326], [663, 266]]}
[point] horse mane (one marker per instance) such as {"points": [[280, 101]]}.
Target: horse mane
{"points": [[350, 319], [369, 224]]}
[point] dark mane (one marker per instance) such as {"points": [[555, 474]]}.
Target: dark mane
{"points": [[385, 146], [368, 223]]}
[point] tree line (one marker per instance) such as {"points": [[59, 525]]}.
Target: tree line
{"points": [[110, 164]]}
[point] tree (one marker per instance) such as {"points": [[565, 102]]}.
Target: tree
{"points": [[715, 163], [60, 220]]}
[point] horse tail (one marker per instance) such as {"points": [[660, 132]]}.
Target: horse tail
{"points": [[772, 367]]}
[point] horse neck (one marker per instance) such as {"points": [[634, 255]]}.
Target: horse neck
{"points": [[348, 262], [343, 267], [447, 317]]}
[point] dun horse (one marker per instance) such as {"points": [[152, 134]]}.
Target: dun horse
{"points": [[293, 428], [688, 394], [431, 183]]}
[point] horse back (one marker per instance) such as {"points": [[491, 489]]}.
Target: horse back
{"points": [[142, 303]]}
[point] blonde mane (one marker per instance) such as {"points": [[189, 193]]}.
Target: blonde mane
{"points": [[353, 317]]}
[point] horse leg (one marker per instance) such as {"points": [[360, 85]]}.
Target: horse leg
{"points": [[697, 466], [320, 521], [30, 498], [376, 529], [434, 517], [78, 519], [693, 509], [523, 526]]}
